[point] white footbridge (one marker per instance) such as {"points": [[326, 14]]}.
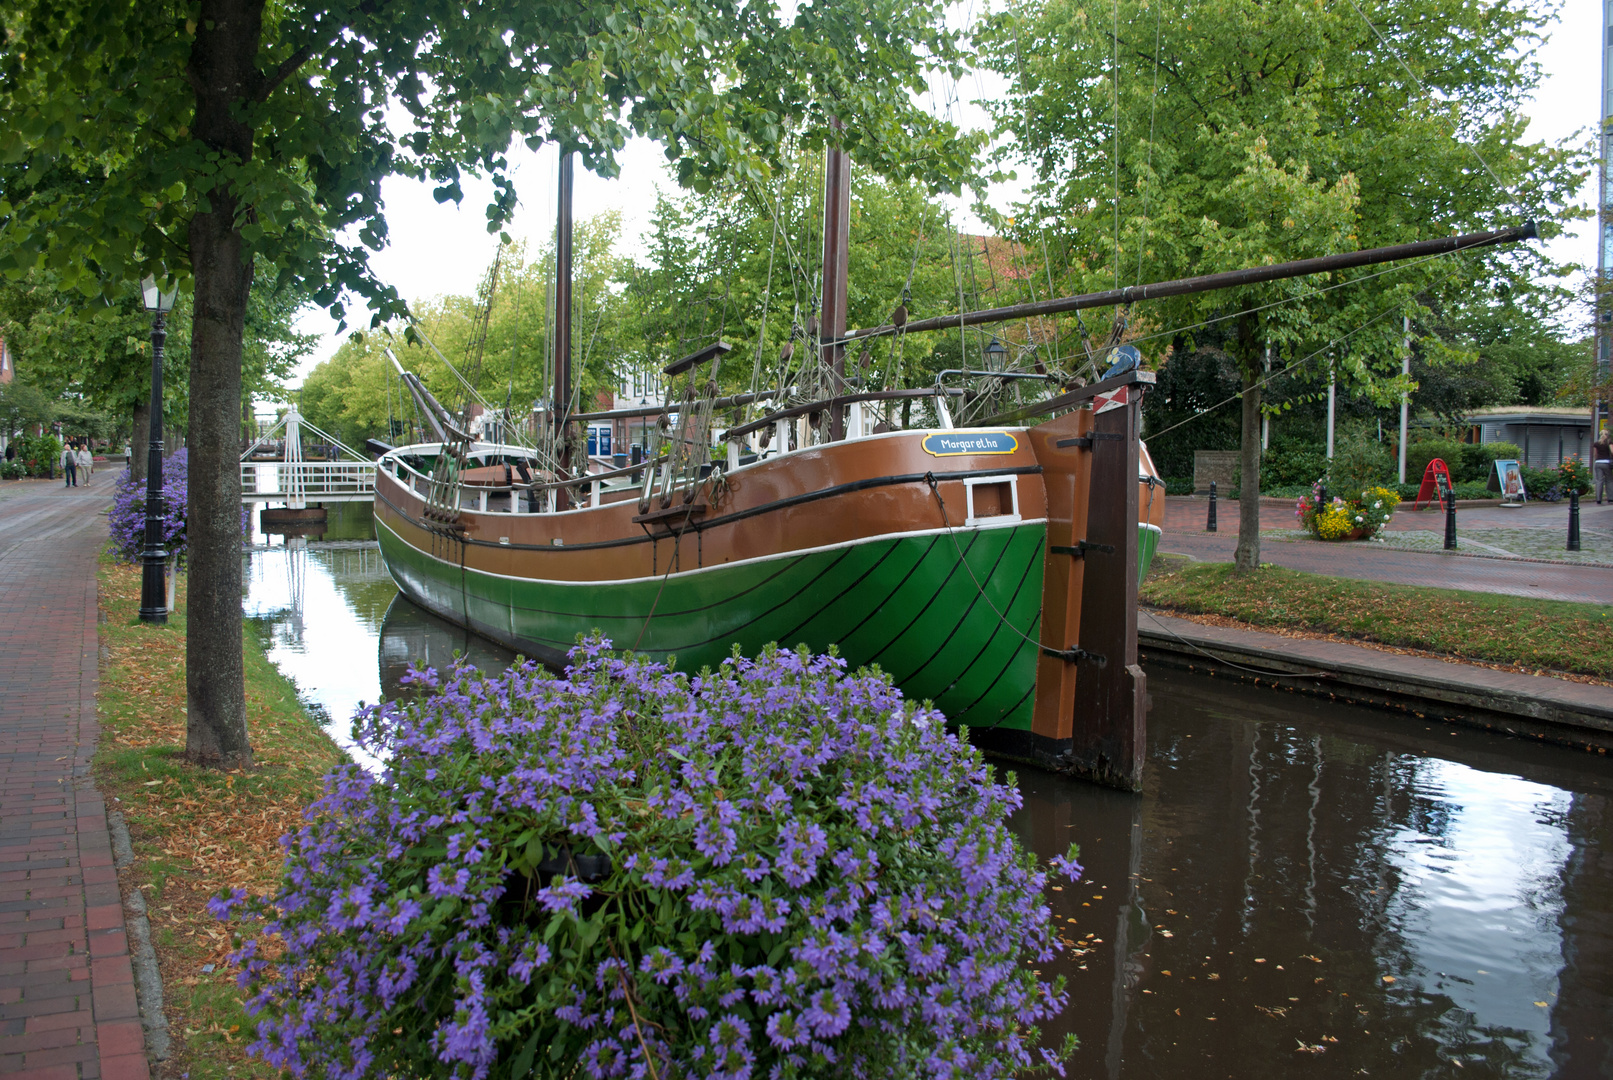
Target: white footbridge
{"points": [[295, 481]]}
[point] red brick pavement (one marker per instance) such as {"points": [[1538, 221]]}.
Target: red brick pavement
{"points": [[1184, 534], [67, 1000]]}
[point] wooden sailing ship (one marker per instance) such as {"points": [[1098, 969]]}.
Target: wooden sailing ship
{"points": [[991, 568]]}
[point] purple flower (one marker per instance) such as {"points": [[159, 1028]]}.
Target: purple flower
{"points": [[126, 521], [774, 867]]}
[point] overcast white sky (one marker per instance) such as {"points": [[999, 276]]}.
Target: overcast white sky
{"points": [[439, 249]]}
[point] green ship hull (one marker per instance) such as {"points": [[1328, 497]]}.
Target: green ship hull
{"points": [[951, 616]]}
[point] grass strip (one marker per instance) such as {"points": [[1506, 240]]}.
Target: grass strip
{"points": [[197, 830], [1538, 635]]}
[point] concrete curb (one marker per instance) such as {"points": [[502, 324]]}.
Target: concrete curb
{"points": [[147, 976], [1535, 707], [1448, 554]]}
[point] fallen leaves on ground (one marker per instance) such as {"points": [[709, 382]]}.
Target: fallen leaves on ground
{"points": [[196, 830]]}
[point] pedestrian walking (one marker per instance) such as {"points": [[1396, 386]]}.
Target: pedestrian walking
{"points": [[69, 466], [86, 463], [1602, 456]]}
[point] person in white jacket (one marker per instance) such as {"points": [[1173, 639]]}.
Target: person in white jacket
{"points": [[86, 463]]}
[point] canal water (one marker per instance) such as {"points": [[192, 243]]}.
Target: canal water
{"points": [[1305, 888]]}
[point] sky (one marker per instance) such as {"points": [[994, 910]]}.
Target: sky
{"points": [[441, 249]]}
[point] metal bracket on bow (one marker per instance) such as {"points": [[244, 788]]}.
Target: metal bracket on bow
{"points": [[1075, 653], [1080, 548]]}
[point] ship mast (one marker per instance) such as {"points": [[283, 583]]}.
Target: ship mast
{"points": [[836, 267], [562, 324]]}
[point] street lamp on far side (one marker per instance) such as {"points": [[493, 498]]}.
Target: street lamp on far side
{"points": [[153, 587]]}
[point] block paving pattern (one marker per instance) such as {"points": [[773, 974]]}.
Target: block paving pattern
{"points": [[1185, 535], [67, 998]]}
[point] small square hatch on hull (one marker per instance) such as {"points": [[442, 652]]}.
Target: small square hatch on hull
{"points": [[992, 500]]}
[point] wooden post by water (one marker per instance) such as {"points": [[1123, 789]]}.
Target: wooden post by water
{"points": [[1110, 690]]}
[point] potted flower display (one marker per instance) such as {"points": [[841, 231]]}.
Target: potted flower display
{"points": [[1340, 518]]}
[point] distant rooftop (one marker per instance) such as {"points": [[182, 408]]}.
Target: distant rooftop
{"points": [[1502, 412]]}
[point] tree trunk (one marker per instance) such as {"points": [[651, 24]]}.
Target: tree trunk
{"points": [[140, 440], [224, 74], [1247, 556]]}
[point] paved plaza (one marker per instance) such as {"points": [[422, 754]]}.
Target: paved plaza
{"points": [[67, 998], [1516, 552]]}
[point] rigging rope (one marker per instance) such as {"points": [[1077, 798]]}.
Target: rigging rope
{"points": [[1302, 360], [1116, 155], [1153, 113], [1473, 149]]}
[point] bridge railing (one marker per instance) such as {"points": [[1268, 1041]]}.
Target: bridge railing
{"points": [[320, 481]]}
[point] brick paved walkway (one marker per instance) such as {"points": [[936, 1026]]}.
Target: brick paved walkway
{"points": [[67, 1000], [1185, 535]]}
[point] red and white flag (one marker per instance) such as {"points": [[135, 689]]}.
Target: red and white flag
{"points": [[1112, 400]]}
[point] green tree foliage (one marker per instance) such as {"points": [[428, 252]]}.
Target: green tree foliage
{"points": [[744, 264], [96, 356], [23, 405], [189, 141], [1166, 142], [355, 394], [713, 262]]}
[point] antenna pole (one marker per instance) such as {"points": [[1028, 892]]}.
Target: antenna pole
{"points": [[836, 268], [562, 322]]}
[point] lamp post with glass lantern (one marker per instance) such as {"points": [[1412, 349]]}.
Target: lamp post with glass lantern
{"points": [[153, 587], [996, 356]]}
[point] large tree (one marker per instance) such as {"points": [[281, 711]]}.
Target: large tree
{"points": [[1167, 141], [100, 353], [189, 140]]}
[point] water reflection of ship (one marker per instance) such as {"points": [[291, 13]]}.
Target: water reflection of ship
{"points": [[1285, 830], [411, 635]]}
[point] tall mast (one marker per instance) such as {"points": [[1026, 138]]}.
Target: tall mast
{"points": [[836, 267], [562, 318]]}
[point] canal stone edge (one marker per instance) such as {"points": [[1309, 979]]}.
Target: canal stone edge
{"points": [[147, 975], [1536, 707]]}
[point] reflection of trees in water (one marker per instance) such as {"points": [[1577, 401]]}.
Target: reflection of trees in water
{"points": [[1582, 1018], [1273, 836], [411, 635], [360, 576]]}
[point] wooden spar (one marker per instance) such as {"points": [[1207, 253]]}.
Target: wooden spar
{"points": [[1229, 279], [836, 269], [562, 320]]}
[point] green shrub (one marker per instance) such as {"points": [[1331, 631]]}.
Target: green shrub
{"points": [[1419, 454], [1360, 461], [1544, 485], [1291, 463], [1478, 459], [40, 455], [1180, 485], [1469, 489]]}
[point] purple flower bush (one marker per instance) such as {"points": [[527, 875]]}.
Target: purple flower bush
{"points": [[126, 521], [770, 869]]}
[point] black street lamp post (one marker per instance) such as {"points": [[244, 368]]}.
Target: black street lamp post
{"points": [[153, 586]]}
